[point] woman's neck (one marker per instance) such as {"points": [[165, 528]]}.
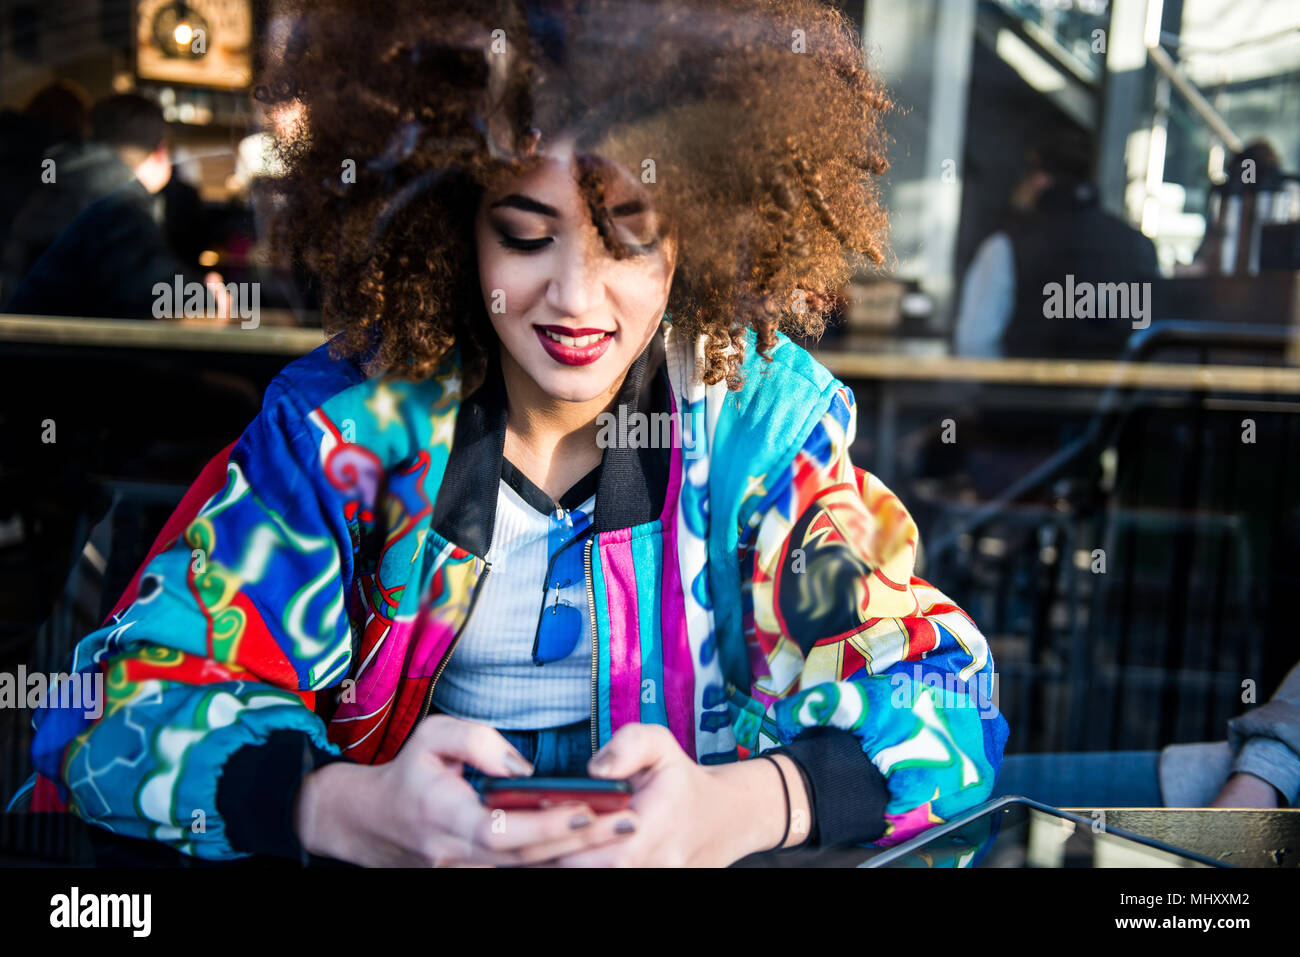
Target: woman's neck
{"points": [[552, 441]]}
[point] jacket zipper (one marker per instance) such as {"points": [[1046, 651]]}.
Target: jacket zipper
{"points": [[591, 606], [428, 698]]}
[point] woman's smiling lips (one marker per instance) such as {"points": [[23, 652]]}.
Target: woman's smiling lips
{"points": [[574, 347]]}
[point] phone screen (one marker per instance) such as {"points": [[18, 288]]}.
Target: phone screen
{"points": [[601, 795]]}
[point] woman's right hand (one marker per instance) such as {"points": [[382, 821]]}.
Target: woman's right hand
{"points": [[419, 811]]}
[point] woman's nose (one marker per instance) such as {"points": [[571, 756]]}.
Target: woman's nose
{"points": [[577, 285]]}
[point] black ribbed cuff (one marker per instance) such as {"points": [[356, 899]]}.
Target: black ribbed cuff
{"points": [[847, 791], [257, 789]]}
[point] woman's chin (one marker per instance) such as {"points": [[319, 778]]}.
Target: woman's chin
{"points": [[576, 387], [574, 383]]}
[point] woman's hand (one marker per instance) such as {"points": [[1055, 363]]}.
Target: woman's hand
{"points": [[690, 815], [418, 810]]}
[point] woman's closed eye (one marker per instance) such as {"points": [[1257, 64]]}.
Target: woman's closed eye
{"points": [[635, 232], [514, 229], [522, 244]]}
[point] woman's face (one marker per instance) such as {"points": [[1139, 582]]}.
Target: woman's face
{"points": [[570, 316]]}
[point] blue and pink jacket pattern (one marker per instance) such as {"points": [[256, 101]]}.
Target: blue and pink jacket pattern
{"points": [[323, 588]]}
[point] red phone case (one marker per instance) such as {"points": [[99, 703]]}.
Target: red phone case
{"points": [[602, 802]]}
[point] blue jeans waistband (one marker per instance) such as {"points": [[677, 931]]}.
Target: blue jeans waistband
{"points": [[553, 752]]}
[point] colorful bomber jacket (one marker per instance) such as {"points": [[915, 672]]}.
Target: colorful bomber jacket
{"points": [[760, 595]]}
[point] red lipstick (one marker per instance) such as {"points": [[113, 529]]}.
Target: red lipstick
{"points": [[591, 344]]}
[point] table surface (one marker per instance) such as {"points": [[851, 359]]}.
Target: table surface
{"points": [[274, 337], [1236, 836], [1243, 838]]}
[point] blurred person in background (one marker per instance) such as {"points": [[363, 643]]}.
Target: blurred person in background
{"points": [[60, 111], [126, 131], [1256, 169], [55, 118], [95, 240], [257, 175], [185, 218], [1058, 228]]}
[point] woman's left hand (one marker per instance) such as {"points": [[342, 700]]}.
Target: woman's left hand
{"points": [[687, 815]]}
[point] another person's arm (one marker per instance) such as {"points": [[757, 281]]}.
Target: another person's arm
{"points": [[1266, 740], [988, 293]]}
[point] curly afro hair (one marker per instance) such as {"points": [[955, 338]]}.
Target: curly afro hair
{"points": [[757, 125]]}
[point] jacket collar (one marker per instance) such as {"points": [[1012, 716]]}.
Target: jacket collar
{"points": [[632, 481]]}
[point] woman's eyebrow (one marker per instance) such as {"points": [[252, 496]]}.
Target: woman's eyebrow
{"points": [[527, 204]]}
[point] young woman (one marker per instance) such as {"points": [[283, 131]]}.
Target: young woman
{"points": [[559, 497]]}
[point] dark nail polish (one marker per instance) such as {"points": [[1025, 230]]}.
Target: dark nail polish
{"points": [[625, 826], [579, 822]]}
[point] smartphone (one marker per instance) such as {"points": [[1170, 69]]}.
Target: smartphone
{"points": [[535, 794]]}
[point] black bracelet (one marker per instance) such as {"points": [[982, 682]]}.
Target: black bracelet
{"points": [[809, 835], [785, 789]]}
